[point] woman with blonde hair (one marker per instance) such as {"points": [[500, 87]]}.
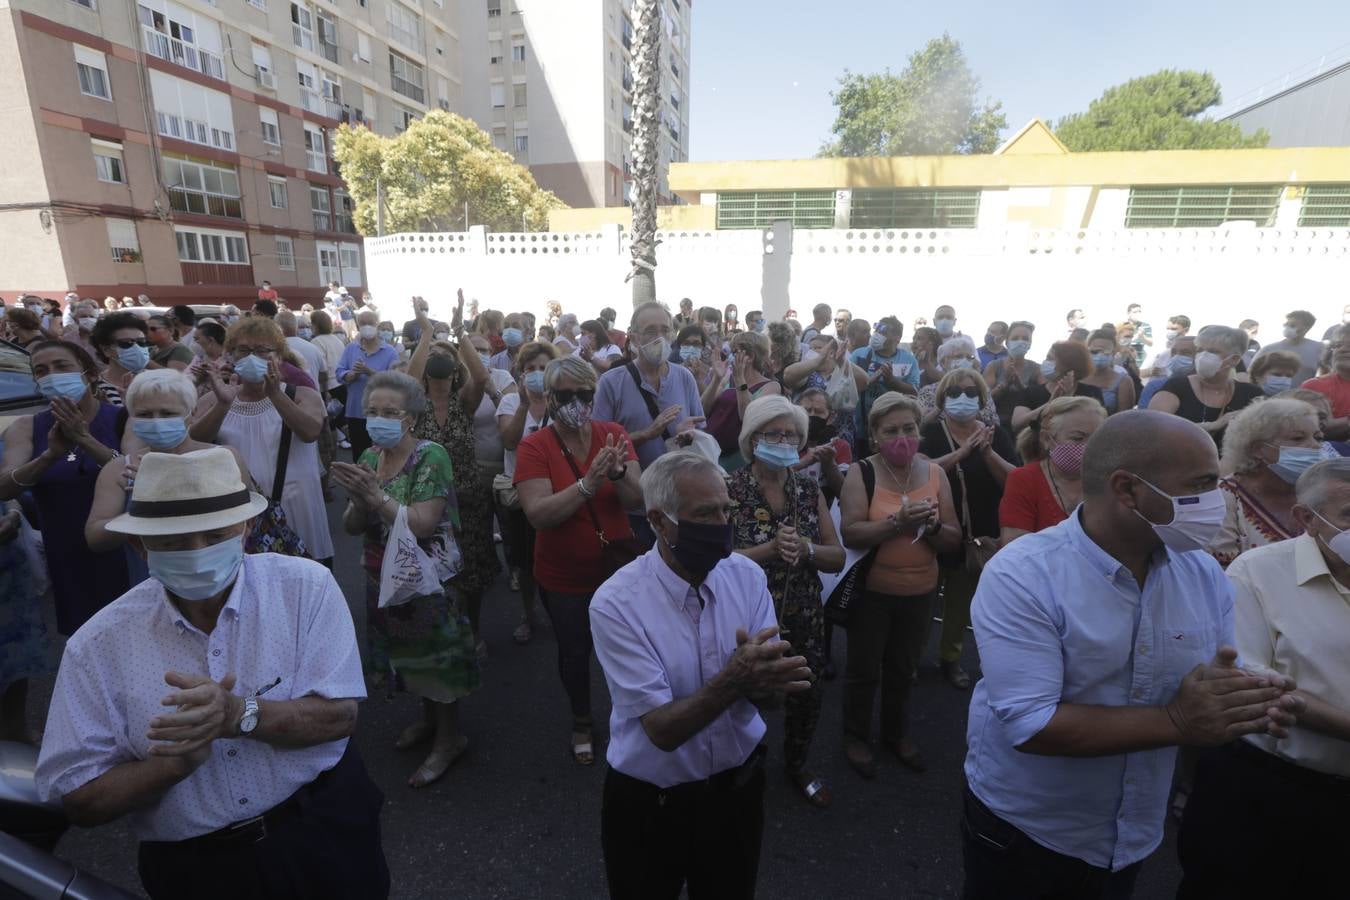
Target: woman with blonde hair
{"points": [[1267, 447], [750, 379], [1049, 485]]}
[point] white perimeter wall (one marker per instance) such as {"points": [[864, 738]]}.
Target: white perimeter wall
{"points": [[1215, 276]]}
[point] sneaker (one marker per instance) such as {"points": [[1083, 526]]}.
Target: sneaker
{"points": [[345, 444], [515, 581]]}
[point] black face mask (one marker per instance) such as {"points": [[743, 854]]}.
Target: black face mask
{"points": [[819, 431], [698, 548], [441, 367]]}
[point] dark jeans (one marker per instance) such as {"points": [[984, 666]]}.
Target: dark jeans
{"points": [[885, 639], [329, 848], [1003, 863], [704, 834], [517, 539], [571, 618], [1258, 826], [360, 440]]}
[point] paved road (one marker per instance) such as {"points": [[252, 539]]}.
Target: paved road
{"points": [[515, 818]]}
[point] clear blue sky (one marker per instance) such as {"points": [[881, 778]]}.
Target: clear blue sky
{"points": [[763, 71]]}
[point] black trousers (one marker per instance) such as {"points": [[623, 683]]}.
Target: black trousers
{"points": [[358, 438], [571, 618], [705, 834], [1259, 826], [329, 848], [1004, 863]]}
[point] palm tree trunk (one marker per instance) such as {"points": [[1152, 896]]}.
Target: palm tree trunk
{"points": [[647, 97]]}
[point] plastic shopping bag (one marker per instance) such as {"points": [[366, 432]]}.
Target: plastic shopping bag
{"points": [[408, 571], [841, 390]]}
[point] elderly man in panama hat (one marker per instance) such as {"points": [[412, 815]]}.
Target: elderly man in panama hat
{"points": [[213, 704]]}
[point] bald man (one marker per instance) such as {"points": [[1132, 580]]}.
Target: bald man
{"points": [[1106, 643]]}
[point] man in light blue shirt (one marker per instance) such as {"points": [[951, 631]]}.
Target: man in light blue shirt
{"points": [[889, 367], [1105, 642]]}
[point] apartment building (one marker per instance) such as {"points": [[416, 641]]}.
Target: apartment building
{"points": [[182, 148], [560, 87]]}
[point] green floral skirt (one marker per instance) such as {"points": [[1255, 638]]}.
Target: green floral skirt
{"points": [[424, 646]]}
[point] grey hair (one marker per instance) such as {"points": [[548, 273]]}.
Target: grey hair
{"points": [[161, 382], [763, 411], [1260, 422], [414, 398], [1234, 339], [573, 367], [954, 345], [1312, 485], [661, 480], [645, 307]]}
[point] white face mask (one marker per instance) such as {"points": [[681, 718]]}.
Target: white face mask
{"points": [[1208, 364], [1196, 519], [368, 331], [1340, 544]]}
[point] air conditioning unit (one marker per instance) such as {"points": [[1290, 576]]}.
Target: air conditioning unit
{"points": [[266, 78]]}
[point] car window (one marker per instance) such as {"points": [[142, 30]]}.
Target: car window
{"points": [[16, 377]]}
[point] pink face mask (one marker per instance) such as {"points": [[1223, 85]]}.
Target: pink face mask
{"points": [[1068, 458], [899, 451]]}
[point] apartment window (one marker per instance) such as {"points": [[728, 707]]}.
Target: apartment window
{"points": [[316, 159], [498, 96], [519, 91], [1202, 207], [202, 187], [285, 254], [87, 4], [349, 256], [190, 112], [403, 117], [332, 93], [308, 78], [92, 69], [258, 4], [122, 240], [271, 129], [911, 208], [180, 38], [759, 209], [494, 8], [108, 163], [443, 93], [205, 245], [517, 51], [369, 106], [321, 206], [302, 26], [262, 67], [404, 25], [495, 51], [406, 77], [499, 138], [276, 190], [363, 46], [343, 210], [522, 143], [328, 37], [1326, 206]]}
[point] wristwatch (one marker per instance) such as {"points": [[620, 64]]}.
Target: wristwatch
{"points": [[743, 387], [249, 720]]}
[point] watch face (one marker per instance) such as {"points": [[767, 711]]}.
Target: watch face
{"points": [[248, 723]]}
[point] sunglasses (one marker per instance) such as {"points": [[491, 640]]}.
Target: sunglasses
{"points": [[564, 396], [953, 392], [128, 343]]}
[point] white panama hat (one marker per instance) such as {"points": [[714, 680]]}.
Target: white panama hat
{"points": [[182, 493]]}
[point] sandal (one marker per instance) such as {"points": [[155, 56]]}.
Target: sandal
{"points": [[909, 755], [860, 759], [437, 763], [812, 788], [414, 734], [583, 754], [957, 677]]}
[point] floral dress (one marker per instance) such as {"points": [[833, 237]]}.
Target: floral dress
{"points": [[426, 643], [474, 491], [795, 590]]}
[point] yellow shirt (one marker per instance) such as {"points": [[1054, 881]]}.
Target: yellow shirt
{"points": [[1293, 618]]}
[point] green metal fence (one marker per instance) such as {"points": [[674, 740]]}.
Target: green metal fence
{"points": [[759, 209], [914, 208], [1202, 207], [1325, 205]]}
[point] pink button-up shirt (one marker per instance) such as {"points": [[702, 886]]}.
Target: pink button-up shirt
{"points": [[657, 644]]}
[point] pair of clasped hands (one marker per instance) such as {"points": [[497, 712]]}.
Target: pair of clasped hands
{"points": [[1219, 702]]}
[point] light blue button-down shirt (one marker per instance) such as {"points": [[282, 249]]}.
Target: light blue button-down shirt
{"points": [[657, 643], [1059, 620]]}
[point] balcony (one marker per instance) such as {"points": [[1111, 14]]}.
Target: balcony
{"points": [[171, 49], [323, 221], [329, 51], [345, 224], [627, 82], [407, 88], [216, 273], [675, 68], [201, 203]]}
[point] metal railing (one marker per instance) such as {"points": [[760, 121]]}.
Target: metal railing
{"points": [[205, 204], [171, 49]]}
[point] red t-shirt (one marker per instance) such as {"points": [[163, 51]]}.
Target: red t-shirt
{"points": [[1028, 501], [1336, 389], [267, 294], [567, 558]]}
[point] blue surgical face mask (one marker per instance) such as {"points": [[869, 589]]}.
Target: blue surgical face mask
{"points": [[1018, 349], [877, 340], [487, 360], [387, 336], [1294, 461], [305, 333], [251, 369], [133, 358], [534, 382], [513, 337], [197, 574], [1276, 384], [777, 456], [1180, 365], [759, 326], [1101, 360], [384, 432], [944, 326], [160, 434], [960, 362], [689, 354], [1048, 368], [961, 408], [63, 384]]}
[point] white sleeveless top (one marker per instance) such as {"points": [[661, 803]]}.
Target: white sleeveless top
{"points": [[253, 427]]}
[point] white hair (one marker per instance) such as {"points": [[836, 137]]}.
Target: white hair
{"points": [[953, 346], [161, 382], [660, 480], [1261, 422], [763, 411], [1311, 489], [574, 367]]}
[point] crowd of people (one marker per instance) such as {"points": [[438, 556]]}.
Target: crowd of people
{"points": [[1147, 533]]}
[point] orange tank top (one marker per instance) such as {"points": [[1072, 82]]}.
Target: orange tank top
{"points": [[902, 567]]}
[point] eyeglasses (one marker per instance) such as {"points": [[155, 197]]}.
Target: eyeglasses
{"points": [[564, 396], [385, 414], [953, 392], [241, 352], [779, 437], [128, 343]]}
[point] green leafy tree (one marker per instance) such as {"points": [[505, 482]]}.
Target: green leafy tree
{"points": [[429, 172], [1162, 111], [928, 109]]}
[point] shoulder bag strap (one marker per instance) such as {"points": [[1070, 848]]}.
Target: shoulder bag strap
{"points": [[869, 479], [965, 494], [646, 397], [283, 453], [572, 464]]}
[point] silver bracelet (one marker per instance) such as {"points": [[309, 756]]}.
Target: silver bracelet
{"points": [[585, 491]]}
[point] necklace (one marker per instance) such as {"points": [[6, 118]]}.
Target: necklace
{"points": [[1228, 389], [904, 490], [1059, 498]]}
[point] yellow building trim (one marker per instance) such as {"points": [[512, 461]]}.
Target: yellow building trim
{"points": [[1034, 138]]}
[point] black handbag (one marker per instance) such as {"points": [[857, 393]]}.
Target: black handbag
{"points": [[854, 582], [271, 533]]}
